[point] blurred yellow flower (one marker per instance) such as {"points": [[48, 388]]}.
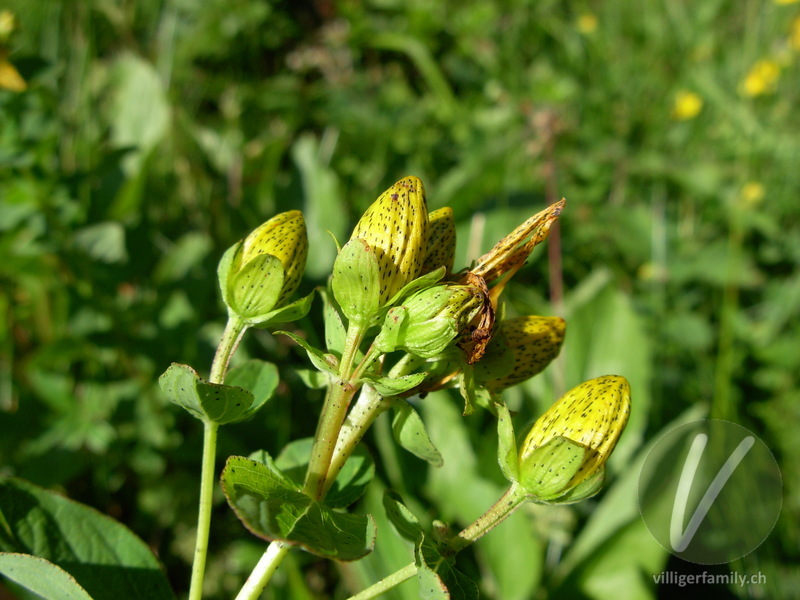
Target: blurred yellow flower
{"points": [[587, 23], [794, 34], [8, 23], [762, 78], [687, 105], [10, 79], [752, 194], [786, 1]]}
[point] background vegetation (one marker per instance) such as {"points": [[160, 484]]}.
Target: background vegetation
{"points": [[154, 133]]}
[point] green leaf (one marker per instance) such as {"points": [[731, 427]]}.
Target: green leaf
{"points": [[207, 401], [285, 314], [41, 577], [273, 510], [409, 431], [390, 329], [258, 377], [104, 242], [401, 518], [392, 386], [324, 362], [351, 482], [430, 585], [356, 282], [105, 558], [315, 380], [507, 454]]}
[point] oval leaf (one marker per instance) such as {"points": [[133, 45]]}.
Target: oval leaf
{"points": [[409, 431], [272, 510], [103, 556], [41, 577]]}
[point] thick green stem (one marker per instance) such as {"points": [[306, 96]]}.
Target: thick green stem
{"points": [[204, 510], [387, 583], [368, 407], [263, 571], [507, 504], [234, 330], [334, 411]]}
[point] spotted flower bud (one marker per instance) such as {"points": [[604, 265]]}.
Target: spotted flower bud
{"points": [[440, 249], [563, 456], [430, 321], [520, 348], [396, 228], [259, 274]]}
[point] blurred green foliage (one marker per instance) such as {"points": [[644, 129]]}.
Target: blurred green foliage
{"points": [[154, 133]]}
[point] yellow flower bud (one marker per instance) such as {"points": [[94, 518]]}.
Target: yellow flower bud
{"points": [[259, 274], [520, 348], [395, 227], [441, 246], [569, 444], [284, 237]]}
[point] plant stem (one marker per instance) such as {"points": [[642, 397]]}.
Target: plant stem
{"points": [[334, 411], [507, 504], [387, 583], [204, 510], [501, 509], [368, 407], [263, 571], [234, 330]]}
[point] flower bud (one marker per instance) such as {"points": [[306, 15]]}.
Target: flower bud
{"points": [[395, 227], [430, 321], [563, 456], [260, 273], [519, 349], [440, 249]]}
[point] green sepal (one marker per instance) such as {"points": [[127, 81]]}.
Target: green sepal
{"points": [[585, 489], [326, 363], [356, 282], [394, 386], [273, 509], [387, 339], [409, 431], [335, 330], [254, 289], [546, 471], [415, 285], [213, 402], [224, 270], [285, 314], [351, 482], [507, 455]]}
